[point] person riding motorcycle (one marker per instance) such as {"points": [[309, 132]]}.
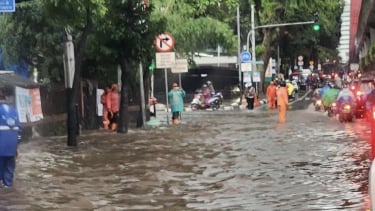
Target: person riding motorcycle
{"points": [[211, 87], [206, 93], [345, 96], [330, 96], [324, 89], [289, 87]]}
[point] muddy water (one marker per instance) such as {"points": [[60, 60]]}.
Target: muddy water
{"points": [[226, 160]]}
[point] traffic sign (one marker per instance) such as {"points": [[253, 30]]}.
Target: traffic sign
{"points": [[246, 66], [245, 56], [165, 60], [181, 66], [164, 42], [7, 5]]}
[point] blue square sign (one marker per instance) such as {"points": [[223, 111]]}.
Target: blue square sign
{"points": [[7, 5]]}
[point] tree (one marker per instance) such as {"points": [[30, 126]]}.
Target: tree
{"points": [[130, 33], [297, 40], [27, 37], [78, 17], [198, 25]]}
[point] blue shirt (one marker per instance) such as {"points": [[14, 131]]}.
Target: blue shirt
{"points": [[10, 128]]}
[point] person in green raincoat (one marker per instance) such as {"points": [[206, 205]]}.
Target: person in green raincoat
{"points": [[176, 98], [330, 96]]}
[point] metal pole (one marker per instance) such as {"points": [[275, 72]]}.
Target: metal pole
{"points": [[143, 103], [166, 93], [239, 46], [254, 58], [179, 79], [247, 40]]}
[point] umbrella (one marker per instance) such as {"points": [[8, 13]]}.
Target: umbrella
{"points": [[329, 96]]}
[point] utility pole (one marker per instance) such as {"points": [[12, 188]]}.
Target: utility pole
{"points": [[239, 48], [254, 58]]}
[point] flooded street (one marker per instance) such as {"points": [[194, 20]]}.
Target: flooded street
{"points": [[221, 160]]}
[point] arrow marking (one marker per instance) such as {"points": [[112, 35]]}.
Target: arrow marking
{"points": [[164, 41]]}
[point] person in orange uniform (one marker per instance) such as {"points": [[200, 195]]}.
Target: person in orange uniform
{"points": [[103, 100], [113, 106], [271, 95], [282, 101]]}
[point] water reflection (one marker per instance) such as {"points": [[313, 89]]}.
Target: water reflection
{"points": [[214, 161]]}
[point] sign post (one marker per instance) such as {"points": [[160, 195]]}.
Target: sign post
{"points": [[7, 5], [164, 44]]}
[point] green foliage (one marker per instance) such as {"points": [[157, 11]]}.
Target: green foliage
{"points": [[26, 36], [198, 25]]}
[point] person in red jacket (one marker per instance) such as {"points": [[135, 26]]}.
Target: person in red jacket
{"points": [[271, 96], [113, 103], [103, 100]]}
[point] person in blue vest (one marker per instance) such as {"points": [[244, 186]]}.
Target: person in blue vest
{"points": [[10, 129]]}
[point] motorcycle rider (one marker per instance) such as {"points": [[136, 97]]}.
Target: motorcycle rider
{"points": [[206, 93], [290, 88], [345, 96], [324, 89], [368, 103], [211, 87]]}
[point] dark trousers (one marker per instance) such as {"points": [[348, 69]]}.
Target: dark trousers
{"points": [[176, 115], [250, 103], [7, 167]]}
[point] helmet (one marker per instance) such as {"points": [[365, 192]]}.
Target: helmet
{"points": [[248, 85], [209, 82], [287, 81], [204, 85], [282, 83]]}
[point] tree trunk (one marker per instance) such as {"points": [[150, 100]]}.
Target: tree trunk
{"points": [[123, 123], [73, 94], [266, 55]]}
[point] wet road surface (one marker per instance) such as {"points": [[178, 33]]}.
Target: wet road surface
{"points": [[221, 160]]}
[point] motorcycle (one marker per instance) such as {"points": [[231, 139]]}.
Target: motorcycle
{"points": [[360, 111], [346, 113], [214, 102], [318, 105], [332, 110]]}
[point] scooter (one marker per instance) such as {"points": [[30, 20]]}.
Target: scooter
{"points": [[318, 105], [332, 110], [360, 110], [214, 102], [346, 113]]}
